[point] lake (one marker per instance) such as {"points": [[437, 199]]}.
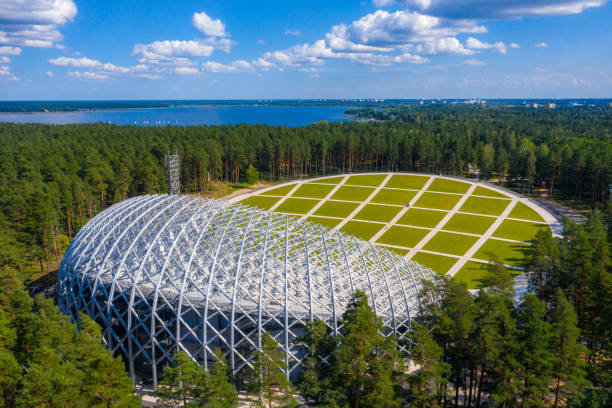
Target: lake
{"points": [[191, 115]]}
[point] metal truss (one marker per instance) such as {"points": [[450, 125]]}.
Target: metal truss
{"points": [[162, 273]]}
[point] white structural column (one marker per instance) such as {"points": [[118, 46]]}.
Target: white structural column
{"points": [[403, 210], [364, 203], [470, 253], [442, 222], [326, 198]]}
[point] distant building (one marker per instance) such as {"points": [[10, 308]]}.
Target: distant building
{"points": [[532, 105], [610, 104], [550, 105]]}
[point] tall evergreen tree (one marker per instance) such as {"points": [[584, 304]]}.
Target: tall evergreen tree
{"points": [[180, 381], [217, 391]]}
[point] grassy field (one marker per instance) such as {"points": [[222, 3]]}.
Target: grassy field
{"points": [[380, 213], [260, 201], [296, 205], [524, 212], [331, 180], [363, 230], [449, 186], [336, 209], [350, 193], [483, 191], [407, 181], [437, 263], [326, 222], [485, 206], [421, 218], [518, 230], [394, 197], [371, 180], [437, 201], [476, 215], [402, 236], [510, 253], [474, 273], [313, 191], [279, 191], [472, 224], [449, 243]]}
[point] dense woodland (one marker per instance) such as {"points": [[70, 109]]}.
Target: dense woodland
{"points": [[55, 178]]}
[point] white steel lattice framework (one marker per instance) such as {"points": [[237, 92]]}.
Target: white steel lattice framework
{"points": [[167, 272]]}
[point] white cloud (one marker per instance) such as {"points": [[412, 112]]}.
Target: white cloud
{"points": [[4, 59], [4, 50], [88, 75], [75, 62], [34, 23], [444, 46], [186, 71], [262, 42], [474, 63], [234, 67], [514, 45], [50, 74], [208, 26], [541, 45], [295, 33], [476, 44], [501, 9]]}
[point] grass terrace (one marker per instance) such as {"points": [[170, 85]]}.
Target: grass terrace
{"points": [[437, 263], [313, 191], [402, 236], [363, 230], [485, 206], [296, 206], [350, 193], [380, 213]]}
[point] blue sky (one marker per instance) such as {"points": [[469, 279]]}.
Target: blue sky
{"points": [[74, 49]]}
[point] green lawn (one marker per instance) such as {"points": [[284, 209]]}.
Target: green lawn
{"points": [[331, 180], [472, 224], [407, 181], [312, 191], [279, 191], [396, 197], [326, 222], [374, 212], [397, 250], [510, 253], [518, 230], [473, 274], [524, 212], [421, 218], [260, 201], [363, 230], [447, 242], [448, 186], [436, 263], [296, 206], [402, 236], [483, 191], [350, 193], [372, 180], [336, 209], [486, 206], [437, 201]]}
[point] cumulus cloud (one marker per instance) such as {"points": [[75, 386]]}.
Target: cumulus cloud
{"points": [[474, 63], [476, 44], [233, 67], [88, 75], [541, 45], [5, 50], [497, 9], [50, 74], [34, 23], [75, 62], [295, 33], [444, 46], [208, 26], [186, 71], [514, 45], [6, 75], [4, 59]]}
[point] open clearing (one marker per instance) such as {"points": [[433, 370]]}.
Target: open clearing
{"points": [[451, 226]]}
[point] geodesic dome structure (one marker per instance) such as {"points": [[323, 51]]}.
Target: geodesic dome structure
{"points": [[162, 273]]}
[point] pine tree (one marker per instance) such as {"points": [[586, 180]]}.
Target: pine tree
{"points": [[269, 381], [365, 359], [568, 367], [542, 260], [252, 175], [179, 382], [217, 391], [427, 381]]}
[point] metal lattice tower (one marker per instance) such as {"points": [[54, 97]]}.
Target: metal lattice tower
{"points": [[173, 182], [162, 273]]}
